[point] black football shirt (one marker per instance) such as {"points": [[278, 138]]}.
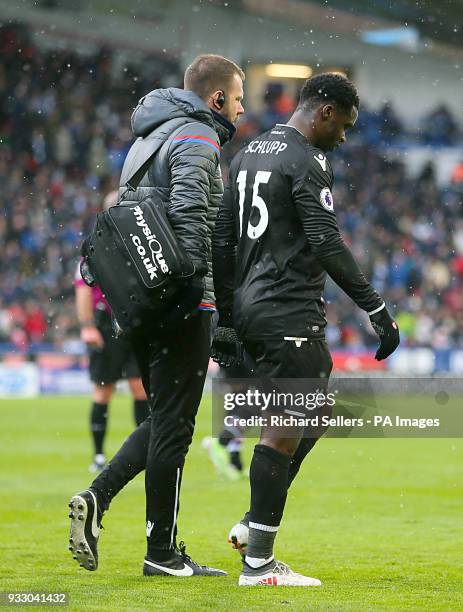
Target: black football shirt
{"points": [[276, 237]]}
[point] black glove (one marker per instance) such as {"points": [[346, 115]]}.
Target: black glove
{"points": [[388, 332], [226, 349]]}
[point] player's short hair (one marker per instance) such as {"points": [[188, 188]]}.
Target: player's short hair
{"points": [[208, 73], [329, 88]]}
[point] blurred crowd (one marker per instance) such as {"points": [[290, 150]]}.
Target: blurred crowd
{"points": [[64, 134]]}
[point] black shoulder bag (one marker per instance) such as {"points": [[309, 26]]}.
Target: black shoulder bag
{"points": [[135, 258]]}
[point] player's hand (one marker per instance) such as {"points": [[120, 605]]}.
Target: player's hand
{"points": [[91, 336], [388, 332], [226, 348]]}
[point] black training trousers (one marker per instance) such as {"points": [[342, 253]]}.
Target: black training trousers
{"points": [[173, 369]]}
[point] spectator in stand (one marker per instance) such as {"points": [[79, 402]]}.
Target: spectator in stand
{"points": [[457, 176], [440, 127]]}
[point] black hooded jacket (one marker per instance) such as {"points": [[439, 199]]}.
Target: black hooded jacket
{"points": [[185, 171]]}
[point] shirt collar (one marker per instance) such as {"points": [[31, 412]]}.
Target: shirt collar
{"points": [[292, 127]]}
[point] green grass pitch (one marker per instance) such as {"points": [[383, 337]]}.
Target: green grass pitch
{"points": [[378, 521]]}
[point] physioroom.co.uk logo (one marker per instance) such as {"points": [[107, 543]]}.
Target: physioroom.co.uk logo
{"points": [[151, 256]]}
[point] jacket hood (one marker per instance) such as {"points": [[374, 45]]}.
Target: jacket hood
{"points": [[161, 105]]}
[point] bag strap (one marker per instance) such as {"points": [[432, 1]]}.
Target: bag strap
{"points": [[141, 154]]}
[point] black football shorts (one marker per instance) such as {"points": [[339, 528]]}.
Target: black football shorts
{"points": [[294, 376], [115, 360], [275, 358]]}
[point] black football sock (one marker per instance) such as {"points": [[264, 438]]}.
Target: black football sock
{"points": [[225, 437], [235, 459], [269, 484], [98, 421], [234, 449], [304, 448], [141, 410]]}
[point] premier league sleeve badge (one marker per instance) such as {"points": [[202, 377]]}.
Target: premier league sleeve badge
{"points": [[326, 199]]}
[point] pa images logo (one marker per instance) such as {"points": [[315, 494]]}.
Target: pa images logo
{"points": [[326, 199]]}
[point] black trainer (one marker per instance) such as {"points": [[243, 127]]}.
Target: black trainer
{"points": [[85, 529], [180, 565]]}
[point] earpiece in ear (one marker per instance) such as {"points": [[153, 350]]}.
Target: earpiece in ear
{"points": [[221, 100]]}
